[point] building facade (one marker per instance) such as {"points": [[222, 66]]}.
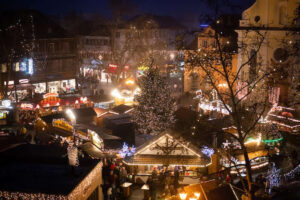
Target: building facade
{"points": [[270, 29], [42, 56], [207, 47]]}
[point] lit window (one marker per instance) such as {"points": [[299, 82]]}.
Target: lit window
{"points": [[17, 67]]}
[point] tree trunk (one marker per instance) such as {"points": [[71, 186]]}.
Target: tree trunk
{"points": [[250, 191]]}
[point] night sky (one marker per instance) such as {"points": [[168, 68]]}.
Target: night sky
{"points": [[186, 10]]}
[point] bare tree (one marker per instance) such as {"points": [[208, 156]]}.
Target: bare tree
{"points": [[242, 90], [17, 39]]}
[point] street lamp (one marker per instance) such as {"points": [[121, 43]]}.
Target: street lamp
{"points": [[182, 196], [172, 56], [71, 115]]}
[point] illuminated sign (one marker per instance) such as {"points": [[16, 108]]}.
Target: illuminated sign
{"points": [[62, 124], [143, 68], [6, 103], [45, 96], [26, 106], [204, 25], [23, 66], [30, 66], [23, 81]]}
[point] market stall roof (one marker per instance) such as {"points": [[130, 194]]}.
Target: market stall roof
{"points": [[165, 148], [285, 117], [84, 112], [121, 109], [100, 111], [103, 133], [40, 169], [118, 117]]}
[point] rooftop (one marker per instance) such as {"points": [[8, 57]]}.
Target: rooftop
{"points": [[40, 169]]}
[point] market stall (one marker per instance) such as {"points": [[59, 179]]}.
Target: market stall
{"points": [[165, 150], [287, 119], [6, 111], [51, 102]]}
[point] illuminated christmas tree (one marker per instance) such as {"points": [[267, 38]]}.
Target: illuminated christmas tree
{"points": [[155, 110]]}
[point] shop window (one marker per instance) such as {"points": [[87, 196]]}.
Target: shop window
{"points": [[3, 68], [40, 87], [17, 67]]}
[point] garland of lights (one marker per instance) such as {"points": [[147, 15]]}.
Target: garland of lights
{"points": [[292, 173], [83, 187], [40, 196], [271, 141]]}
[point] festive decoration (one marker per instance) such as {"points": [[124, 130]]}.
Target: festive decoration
{"points": [[214, 105], [127, 151], [242, 90], [20, 195], [251, 140], [291, 175], [207, 151], [273, 178], [234, 145], [155, 110], [273, 141], [73, 155], [274, 94]]}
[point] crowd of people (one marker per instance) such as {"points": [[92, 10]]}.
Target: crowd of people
{"points": [[114, 174], [163, 182], [26, 117]]}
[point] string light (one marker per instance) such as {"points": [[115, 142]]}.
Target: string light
{"points": [[292, 173]]}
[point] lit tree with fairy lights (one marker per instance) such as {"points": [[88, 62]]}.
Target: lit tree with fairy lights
{"points": [[155, 110], [17, 37]]}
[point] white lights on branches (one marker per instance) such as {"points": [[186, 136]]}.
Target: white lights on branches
{"points": [[127, 151], [207, 151], [273, 178]]}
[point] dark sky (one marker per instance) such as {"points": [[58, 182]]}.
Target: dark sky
{"points": [[186, 10]]}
